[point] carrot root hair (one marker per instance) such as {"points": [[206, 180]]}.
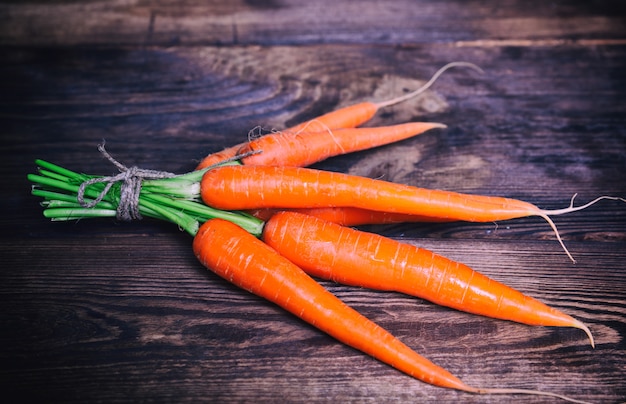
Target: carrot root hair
{"points": [[527, 392], [309, 123], [572, 208], [545, 214], [582, 326], [428, 84]]}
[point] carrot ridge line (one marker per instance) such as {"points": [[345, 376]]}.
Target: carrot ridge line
{"points": [[309, 123]]}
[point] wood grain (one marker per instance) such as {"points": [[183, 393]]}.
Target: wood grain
{"points": [[122, 312], [294, 22]]}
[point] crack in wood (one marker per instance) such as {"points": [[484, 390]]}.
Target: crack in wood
{"points": [[151, 24], [493, 43]]}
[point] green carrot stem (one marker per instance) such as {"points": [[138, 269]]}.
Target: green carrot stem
{"points": [[57, 197], [57, 203], [70, 213], [204, 212], [184, 221], [54, 183], [145, 207], [60, 170], [53, 175], [174, 199], [185, 186]]}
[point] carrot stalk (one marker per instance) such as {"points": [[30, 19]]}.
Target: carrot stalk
{"points": [[346, 117], [247, 262], [352, 257], [255, 187], [298, 150], [170, 199]]}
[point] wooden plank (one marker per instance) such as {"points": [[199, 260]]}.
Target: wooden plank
{"points": [[125, 323], [98, 310], [106, 311], [293, 22]]}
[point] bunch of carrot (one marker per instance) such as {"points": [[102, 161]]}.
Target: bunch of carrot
{"points": [[265, 223]]}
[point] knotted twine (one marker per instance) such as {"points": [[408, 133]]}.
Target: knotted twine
{"points": [[131, 179]]}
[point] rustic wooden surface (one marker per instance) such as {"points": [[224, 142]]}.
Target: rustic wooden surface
{"points": [[122, 312]]}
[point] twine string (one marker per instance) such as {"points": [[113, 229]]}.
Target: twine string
{"points": [[130, 178]]}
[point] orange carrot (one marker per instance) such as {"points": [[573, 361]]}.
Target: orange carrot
{"points": [[247, 262], [352, 257], [351, 116], [242, 259], [347, 117], [254, 187], [299, 150], [347, 216], [251, 187]]}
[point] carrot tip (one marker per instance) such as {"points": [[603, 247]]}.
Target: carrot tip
{"points": [[580, 325], [525, 391]]}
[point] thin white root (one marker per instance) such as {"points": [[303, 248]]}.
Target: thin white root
{"points": [[430, 82], [558, 236], [255, 133], [317, 122], [571, 208], [531, 392]]}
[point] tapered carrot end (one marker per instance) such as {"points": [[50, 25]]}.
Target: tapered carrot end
{"points": [[437, 125], [579, 324], [530, 392]]}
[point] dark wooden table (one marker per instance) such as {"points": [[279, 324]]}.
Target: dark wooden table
{"points": [[99, 310]]}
